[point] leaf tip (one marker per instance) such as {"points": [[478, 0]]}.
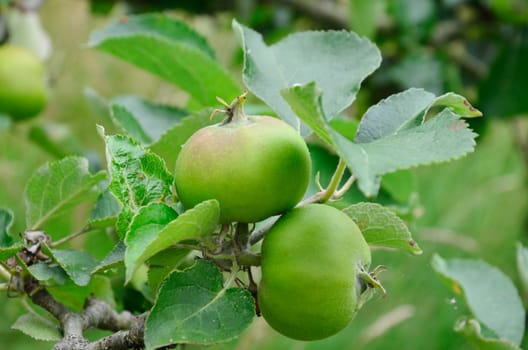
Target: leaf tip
{"points": [[415, 248]]}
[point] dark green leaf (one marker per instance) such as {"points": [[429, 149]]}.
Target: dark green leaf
{"points": [[144, 229], [381, 227], [46, 273], [38, 327], [156, 228], [489, 293], [105, 211], [57, 186], [74, 296], [337, 62], [6, 221], [170, 49], [194, 307], [77, 264], [163, 263], [115, 258], [7, 248]]}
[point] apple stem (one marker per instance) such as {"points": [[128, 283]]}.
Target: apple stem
{"points": [[234, 110]]}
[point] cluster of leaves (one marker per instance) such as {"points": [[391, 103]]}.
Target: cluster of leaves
{"points": [[134, 197]]}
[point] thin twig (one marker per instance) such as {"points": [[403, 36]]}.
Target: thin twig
{"points": [[257, 235], [326, 194], [63, 240], [341, 192]]}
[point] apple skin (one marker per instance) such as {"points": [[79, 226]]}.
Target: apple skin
{"points": [[256, 167], [310, 258], [23, 92]]}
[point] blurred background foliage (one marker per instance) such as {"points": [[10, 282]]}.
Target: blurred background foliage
{"points": [[473, 207]]}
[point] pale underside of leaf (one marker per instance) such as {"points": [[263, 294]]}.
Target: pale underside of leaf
{"points": [[489, 293], [470, 328], [338, 61]]}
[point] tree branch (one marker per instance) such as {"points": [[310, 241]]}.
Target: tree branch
{"points": [[96, 314]]}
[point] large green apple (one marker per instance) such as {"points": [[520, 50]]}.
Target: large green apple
{"points": [[310, 261], [255, 166]]}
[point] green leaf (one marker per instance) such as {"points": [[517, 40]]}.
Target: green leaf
{"points": [[381, 227], [345, 126], [7, 252], [193, 307], [138, 176], [6, 221], [145, 121], [489, 293], [156, 228], [392, 114], [105, 211], [163, 263], [38, 327], [442, 138], [394, 135], [337, 62], [143, 230], [305, 101], [522, 266], [77, 264], [74, 296], [57, 186], [167, 47], [470, 328], [46, 273], [115, 258], [458, 104], [7, 247], [168, 146]]}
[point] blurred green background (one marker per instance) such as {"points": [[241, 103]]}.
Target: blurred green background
{"points": [[472, 207]]}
